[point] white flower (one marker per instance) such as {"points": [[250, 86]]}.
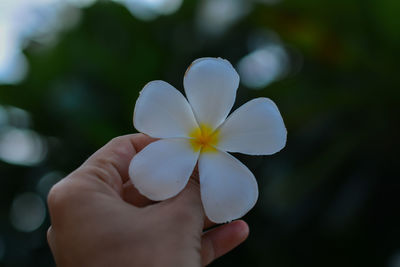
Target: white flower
{"points": [[199, 131]]}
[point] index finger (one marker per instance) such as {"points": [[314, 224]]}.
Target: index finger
{"points": [[111, 162]]}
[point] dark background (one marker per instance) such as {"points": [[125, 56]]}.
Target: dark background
{"points": [[330, 198]]}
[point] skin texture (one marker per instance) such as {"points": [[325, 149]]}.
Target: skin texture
{"points": [[100, 219]]}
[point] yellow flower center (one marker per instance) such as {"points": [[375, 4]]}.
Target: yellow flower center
{"points": [[204, 138]]}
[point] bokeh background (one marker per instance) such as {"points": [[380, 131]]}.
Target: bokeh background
{"points": [[71, 70]]}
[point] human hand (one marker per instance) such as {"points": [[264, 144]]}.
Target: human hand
{"points": [[100, 219]]}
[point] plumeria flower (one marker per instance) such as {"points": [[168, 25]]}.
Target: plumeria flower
{"points": [[198, 131]]}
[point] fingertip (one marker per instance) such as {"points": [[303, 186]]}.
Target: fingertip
{"points": [[242, 229], [223, 239], [140, 140]]}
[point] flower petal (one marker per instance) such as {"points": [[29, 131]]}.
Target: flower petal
{"points": [[210, 86], [162, 169], [161, 111], [256, 128], [228, 188]]}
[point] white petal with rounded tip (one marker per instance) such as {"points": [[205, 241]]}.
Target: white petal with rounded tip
{"points": [[256, 128], [161, 111], [210, 86], [228, 188], [162, 169]]}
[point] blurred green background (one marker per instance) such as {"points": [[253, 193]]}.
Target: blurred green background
{"points": [[70, 72]]}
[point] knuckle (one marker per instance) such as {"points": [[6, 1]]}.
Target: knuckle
{"points": [[53, 196], [106, 172], [58, 197], [63, 200]]}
